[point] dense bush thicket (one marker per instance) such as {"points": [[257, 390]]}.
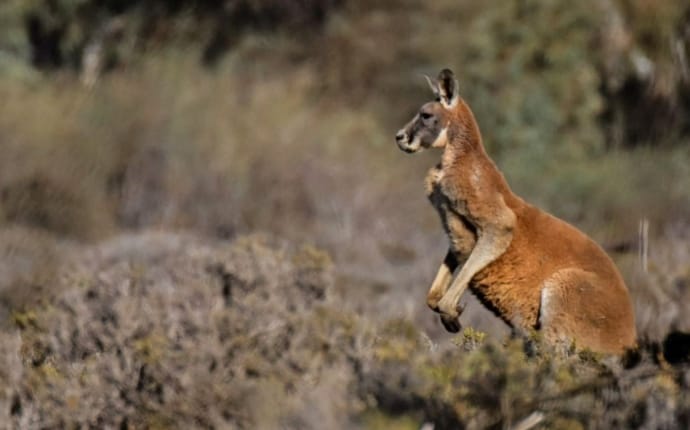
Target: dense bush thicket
{"points": [[166, 331]]}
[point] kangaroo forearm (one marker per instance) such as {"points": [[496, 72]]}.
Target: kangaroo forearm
{"points": [[490, 246], [451, 262], [443, 278]]}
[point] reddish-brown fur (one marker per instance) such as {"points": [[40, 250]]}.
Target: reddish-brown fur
{"points": [[532, 269]]}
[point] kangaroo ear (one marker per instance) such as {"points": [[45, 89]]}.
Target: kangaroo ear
{"points": [[448, 88], [433, 86]]}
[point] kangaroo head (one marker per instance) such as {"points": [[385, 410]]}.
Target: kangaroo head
{"points": [[428, 128]]}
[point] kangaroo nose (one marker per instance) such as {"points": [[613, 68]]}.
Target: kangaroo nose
{"points": [[400, 135]]}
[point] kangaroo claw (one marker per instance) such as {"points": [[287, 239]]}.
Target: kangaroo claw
{"points": [[451, 323]]}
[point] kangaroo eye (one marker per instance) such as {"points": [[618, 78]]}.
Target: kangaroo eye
{"points": [[425, 115]]}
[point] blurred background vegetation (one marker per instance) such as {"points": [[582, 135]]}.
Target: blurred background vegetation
{"points": [[232, 116], [226, 117]]}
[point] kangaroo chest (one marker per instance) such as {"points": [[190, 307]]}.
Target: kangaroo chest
{"points": [[496, 289], [453, 213]]}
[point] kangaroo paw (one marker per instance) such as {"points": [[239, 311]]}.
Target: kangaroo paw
{"points": [[449, 307]]}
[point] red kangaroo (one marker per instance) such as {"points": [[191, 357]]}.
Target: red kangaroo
{"points": [[533, 270]]}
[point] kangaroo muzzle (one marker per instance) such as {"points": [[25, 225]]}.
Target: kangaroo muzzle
{"points": [[402, 138]]}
